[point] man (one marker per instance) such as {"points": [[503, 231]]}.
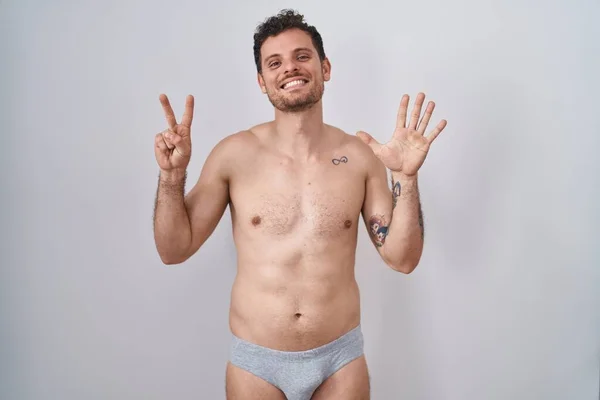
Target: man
{"points": [[296, 188]]}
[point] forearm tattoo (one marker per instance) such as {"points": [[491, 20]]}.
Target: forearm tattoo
{"points": [[378, 229], [395, 192]]}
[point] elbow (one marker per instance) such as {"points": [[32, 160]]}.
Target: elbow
{"points": [[404, 262], [404, 268], [404, 265], [173, 255], [172, 259]]}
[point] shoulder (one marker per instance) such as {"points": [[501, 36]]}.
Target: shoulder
{"points": [[235, 141], [356, 149], [236, 145], [246, 139], [236, 149], [227, 154]]}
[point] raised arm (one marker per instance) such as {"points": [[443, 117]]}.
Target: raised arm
{"points": [[183, 223], [394, 218]]}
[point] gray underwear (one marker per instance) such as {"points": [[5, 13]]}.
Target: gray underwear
{"points": [[297, 373]]}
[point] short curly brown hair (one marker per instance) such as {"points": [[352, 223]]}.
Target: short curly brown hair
{"points": [[284, 20]]}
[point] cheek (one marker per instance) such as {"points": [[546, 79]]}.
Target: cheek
{"points": [[271, 83], [266, 80]]}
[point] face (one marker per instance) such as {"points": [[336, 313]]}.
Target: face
{"points": [[293, 76]]}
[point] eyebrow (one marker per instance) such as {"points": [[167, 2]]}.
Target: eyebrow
{"points": [[295, 51]]}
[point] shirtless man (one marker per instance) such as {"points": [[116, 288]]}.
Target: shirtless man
{"points": [[296, 188]]}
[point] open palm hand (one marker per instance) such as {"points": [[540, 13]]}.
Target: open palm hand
{"points": [[408, 148]]}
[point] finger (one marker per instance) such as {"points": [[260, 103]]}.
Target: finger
{"points": [[437, 130], [159, 142], [168, 110], [183, 151], [168, 136], [370, 141], [188, 114], [181, 144], [182, 147], [402, 111], [416, 113], [426, 117]]}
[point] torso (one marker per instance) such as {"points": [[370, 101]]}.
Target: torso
{"points": [[295, 230]]}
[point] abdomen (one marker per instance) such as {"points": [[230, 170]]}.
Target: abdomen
{"points": [[295, 302]]}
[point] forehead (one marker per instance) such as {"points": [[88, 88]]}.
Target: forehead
{"points": [[286, 42]]}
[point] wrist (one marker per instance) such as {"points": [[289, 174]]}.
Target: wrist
{"points": [[173, 176], [401, 177]]}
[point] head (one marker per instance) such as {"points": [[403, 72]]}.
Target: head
{"points": [[290, 61]]}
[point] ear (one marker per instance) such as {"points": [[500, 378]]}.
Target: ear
{"points": [[261, 83], [326, 68]]}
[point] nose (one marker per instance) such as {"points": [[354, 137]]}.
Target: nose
{"points": [[289, 65]]}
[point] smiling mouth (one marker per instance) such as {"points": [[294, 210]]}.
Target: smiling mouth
{"points": [[294, 83]]}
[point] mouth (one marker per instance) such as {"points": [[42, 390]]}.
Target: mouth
{"points": [[296, 83]]}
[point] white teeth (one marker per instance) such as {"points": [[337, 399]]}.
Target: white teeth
{"points": [[293, 83]]}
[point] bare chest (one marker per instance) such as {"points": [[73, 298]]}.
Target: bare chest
{"points": [[324, 201]]}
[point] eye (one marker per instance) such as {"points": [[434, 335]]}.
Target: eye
{"points": [[273, 64], [303, 57]]}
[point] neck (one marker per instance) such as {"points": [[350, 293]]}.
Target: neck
{"points": [[299, 133]]}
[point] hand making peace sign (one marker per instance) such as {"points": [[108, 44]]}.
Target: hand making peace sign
{"points": [[407, 149], [173, 146]]}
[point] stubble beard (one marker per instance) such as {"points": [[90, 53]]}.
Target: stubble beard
{"points": [[297, 103]]}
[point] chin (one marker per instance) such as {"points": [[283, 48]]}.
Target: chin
{"points": [[294, 108], [298, 100]]}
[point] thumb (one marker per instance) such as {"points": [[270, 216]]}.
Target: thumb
{"points": [[182, 145], [370, 141]]}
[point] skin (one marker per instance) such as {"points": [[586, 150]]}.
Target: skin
{"points": [[296, 188]]}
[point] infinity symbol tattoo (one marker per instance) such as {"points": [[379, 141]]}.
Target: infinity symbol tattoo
{"points": [[335, 161]]}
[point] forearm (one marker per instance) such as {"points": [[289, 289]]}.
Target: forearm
{"points": [[172, 228], [403, 244]]}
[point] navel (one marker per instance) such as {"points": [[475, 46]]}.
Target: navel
{"points": [[347, 224], [256, 220], [297, 315]]}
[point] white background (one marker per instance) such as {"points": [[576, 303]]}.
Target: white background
{"points": [[505, 303]]}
